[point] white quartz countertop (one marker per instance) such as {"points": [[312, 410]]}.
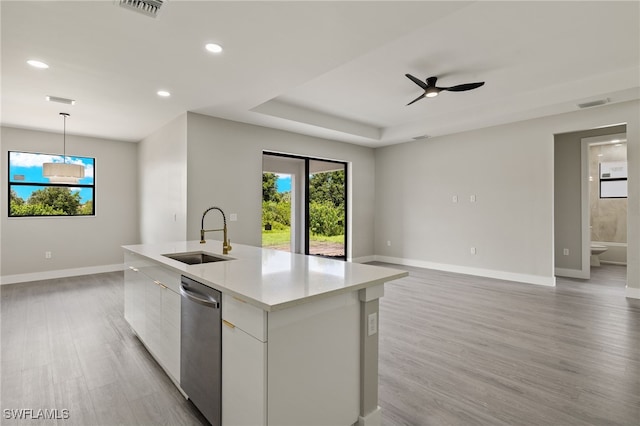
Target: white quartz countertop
{"points": [[269, 279]]}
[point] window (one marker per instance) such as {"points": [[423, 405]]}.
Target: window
{"points": [[32, 194]]}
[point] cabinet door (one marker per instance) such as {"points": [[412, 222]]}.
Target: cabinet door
{"points": [[134, 300], [153, 318], [171, 332], [244, 378]]}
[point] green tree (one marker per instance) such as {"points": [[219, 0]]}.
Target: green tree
{"points": [[86, 208], [327, 186], [59, 198], [15, 198], [269, 188], [37, 209]]}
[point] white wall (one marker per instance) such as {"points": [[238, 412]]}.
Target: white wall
{"points": [[162, 161], [510, 169], [78, 244], [225, 169]]}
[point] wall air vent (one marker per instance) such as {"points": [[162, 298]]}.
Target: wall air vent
{"points": [[146, 7], [593, 103]]}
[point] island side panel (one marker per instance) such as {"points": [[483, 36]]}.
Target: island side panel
{"points": [[370, 414], [314, 363]]}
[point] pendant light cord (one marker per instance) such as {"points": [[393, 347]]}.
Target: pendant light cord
{"points": [[64, 136]]}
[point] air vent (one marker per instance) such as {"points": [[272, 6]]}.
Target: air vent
{"points": [[593, 103], [146, 7], [61, 100]]}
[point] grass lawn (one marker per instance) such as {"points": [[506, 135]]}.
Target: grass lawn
{"points": [[276, 237], [283, 236]]}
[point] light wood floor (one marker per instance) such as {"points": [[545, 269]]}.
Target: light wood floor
{"points": [[454, 350]]}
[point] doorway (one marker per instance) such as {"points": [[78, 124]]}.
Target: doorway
{"points": [[304, 205], [605, 204], [572, 186]]}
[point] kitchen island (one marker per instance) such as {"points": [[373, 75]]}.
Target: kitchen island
{"points": [[299, 333]]}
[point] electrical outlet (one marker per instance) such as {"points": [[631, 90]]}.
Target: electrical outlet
{"points": [[388, 243], [473, 250], [47, 255], [454, 199], [372, 324], [233, 217], [565, 252]]}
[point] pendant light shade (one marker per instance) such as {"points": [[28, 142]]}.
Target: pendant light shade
{"points": [[63, 172]]}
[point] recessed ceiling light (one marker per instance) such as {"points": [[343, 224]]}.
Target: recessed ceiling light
{"points": [[37, 64], [213, 47], [164, 93]]}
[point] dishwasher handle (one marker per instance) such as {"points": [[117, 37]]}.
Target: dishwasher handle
{"points": [[199, 298]]}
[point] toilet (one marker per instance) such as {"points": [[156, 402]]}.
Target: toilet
{"points": [[596, 251]]}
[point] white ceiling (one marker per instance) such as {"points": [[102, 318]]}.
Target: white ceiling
{"points": [[330, 69]]}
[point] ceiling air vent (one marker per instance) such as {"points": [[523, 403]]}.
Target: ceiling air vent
{"points": [[593, 103], [60, 100], [146, 7]]}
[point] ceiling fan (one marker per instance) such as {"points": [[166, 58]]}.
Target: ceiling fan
{"points": [[431, 90]]}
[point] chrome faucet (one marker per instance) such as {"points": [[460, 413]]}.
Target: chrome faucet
{"points": [[226, 244]]}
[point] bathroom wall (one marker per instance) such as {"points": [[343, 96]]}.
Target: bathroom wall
{"points": [[608, 215]]}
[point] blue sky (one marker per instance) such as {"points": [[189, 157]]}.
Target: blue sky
{"points": [[27, 167], [283, 184]]}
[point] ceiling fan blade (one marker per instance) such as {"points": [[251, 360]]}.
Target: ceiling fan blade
{"points": [[417, 81], [417, 99], [463, 87]]}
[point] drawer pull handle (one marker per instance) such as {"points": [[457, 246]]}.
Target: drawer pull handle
{"points": [[228, 324]]}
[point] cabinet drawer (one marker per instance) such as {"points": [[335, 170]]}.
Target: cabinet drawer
{"points": [[245, 316], [164, 275], [135, 260]]}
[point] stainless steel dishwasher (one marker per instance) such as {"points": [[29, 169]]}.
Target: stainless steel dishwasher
{"points": [[201, 348]]}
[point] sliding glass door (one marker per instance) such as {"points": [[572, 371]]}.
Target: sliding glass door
{"points": [[327, 206], [304, 205]]}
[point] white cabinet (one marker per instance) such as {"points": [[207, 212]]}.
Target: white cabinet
{"points": [[134, 300], [152, 308], [244, 378]]}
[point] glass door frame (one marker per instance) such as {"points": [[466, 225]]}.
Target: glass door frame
{"points": [[306, 200]]}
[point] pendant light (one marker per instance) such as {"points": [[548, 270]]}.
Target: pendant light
{"points": [[63, 172]]}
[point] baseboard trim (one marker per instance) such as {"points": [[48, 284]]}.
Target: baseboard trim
{"points": [[363, 259], [613, 263], [60, 273], [572, 273], [374, 418], [488, 273], [633, 293]]}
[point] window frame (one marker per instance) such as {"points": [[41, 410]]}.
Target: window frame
{"points": [[12, 183]]}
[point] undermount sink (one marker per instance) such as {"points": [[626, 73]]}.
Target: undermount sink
{"points": [[194, 258]]}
